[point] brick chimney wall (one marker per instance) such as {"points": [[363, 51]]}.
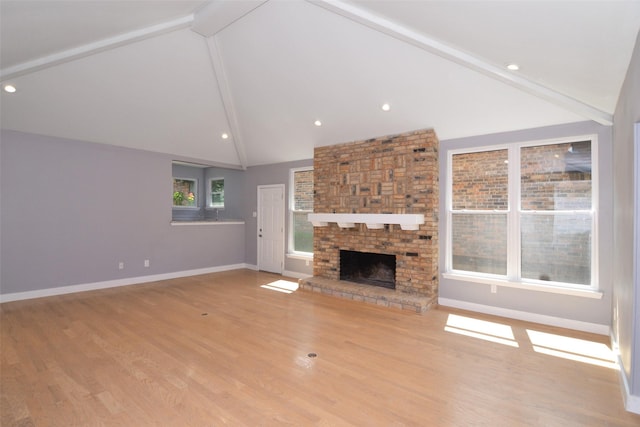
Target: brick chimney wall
{"points": [[393, 174]]}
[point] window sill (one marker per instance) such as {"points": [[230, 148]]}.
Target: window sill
{"points": [[185, 207], [585, 293], [208, 222]]}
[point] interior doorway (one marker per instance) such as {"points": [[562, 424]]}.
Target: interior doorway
{"points": [[271, 228]]}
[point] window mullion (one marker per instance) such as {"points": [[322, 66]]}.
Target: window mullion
{"points": [[513, 219], [449, 209]]}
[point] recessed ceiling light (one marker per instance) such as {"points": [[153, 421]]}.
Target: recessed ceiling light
{"points": [[9, 88], [317, 123], [386, 107], [225, 136], [513, 67]]}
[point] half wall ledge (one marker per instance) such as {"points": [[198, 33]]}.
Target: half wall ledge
{"points": [[373, 221], [366, 293]]}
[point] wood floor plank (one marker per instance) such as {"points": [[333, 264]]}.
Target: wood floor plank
{"points": [[219, 349]]}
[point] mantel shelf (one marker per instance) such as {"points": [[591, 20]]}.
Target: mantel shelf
{"points": [[373, 221]]}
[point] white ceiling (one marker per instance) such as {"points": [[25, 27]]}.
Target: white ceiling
{"points": [[141, 74]]}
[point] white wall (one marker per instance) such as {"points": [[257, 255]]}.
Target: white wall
{"points": [[626, 298]]}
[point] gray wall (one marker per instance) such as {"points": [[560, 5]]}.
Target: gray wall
{"points": [[548, 304], [267, 175], [72, 210], [626, 299]]}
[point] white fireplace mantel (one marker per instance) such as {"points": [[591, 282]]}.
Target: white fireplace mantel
{"points": [[373, 221]]}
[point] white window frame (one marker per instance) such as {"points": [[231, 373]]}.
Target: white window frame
{"points": [[291, 253], [195, 193], [209, 197], [514, 212]]}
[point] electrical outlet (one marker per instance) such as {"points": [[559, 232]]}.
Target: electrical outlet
{"points": [[121, 265], [146, 263]]}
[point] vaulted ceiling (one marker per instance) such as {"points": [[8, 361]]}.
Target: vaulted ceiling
{"points": [[173, 76]]}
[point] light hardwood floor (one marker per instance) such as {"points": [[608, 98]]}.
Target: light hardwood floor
{"points": [[219, 349]]}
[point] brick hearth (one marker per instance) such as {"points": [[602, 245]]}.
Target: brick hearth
{"points": [[366, 293]]}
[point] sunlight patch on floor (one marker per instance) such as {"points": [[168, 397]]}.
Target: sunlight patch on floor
{"points": [[584, 351], [481, 329], [282, 286]]}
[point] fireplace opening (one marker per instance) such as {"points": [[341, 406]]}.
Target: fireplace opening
{"points": [[368, 268]]}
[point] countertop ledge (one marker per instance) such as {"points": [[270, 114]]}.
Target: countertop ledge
{"points": [[210, 222]]}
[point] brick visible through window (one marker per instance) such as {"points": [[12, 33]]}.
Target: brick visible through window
{"points": [[550, 204], [301, 230]]}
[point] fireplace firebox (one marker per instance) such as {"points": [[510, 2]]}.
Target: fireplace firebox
{"points": [[368, 268]]}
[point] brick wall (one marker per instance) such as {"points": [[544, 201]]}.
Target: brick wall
{"points": [[303, 201], [303, 191], [556, 248], [480, 182], [394, 174], [184, 187]]}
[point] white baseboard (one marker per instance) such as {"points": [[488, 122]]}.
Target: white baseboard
{"points": [[631, 401], [17, 296], [578, 325]]}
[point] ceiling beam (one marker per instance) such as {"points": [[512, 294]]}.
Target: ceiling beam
{"points": [[436, 47], [219, 14], [227, 99], [95, 47]]}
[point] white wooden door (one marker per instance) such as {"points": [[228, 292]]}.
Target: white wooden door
{"points": [[271, 228]]}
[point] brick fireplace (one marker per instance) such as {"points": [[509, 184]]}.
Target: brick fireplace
{"points": [[389, 175]]}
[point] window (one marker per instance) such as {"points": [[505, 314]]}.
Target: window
{"points": [[524, 213], [301, 204], [185, 192], [216, 193]]}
